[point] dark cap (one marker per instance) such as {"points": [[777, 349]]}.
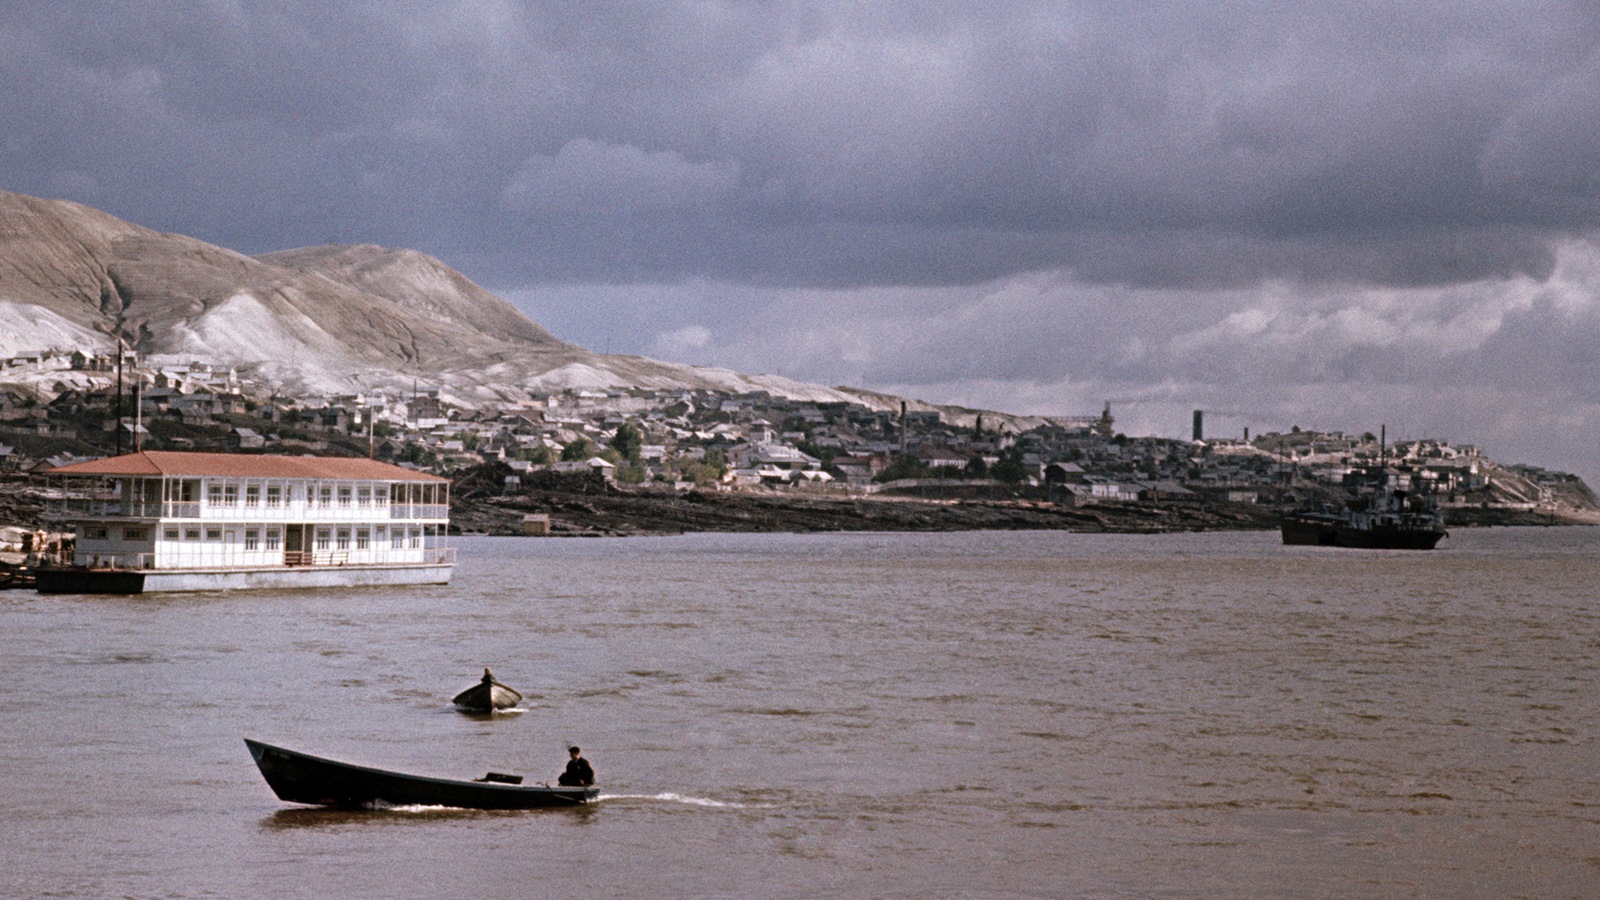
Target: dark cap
{"points": [[573, 750]]}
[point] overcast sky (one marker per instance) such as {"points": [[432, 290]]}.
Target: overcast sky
{"points": [[1332, 214]]}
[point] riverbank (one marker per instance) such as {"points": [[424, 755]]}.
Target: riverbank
{"points": [[618, 512], [596, 510]]}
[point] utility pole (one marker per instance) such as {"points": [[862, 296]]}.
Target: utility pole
{"points": [[118, 350]]}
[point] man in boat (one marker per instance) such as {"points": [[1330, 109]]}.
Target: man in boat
{"points": [[579, 773]]}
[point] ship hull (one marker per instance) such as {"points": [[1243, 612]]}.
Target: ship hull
{"points": [[1328, 532], [80, 580]]}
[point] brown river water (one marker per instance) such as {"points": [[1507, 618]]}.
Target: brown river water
{"points": [[861, 715]]}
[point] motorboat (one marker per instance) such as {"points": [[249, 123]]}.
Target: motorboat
{"points": [[301, 778]]}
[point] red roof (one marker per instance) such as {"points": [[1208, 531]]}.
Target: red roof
{"points": [[238, 465]]}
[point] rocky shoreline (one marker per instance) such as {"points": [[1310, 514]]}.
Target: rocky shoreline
{"points": [[618, 512], [591, 509], [623, 513]]}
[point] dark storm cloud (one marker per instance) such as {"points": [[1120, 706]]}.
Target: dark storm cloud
{"points": [[828, 144], [1325, 213]]}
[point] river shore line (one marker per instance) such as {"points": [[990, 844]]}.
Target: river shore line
{"points": [[621, 512], [612, 511]]}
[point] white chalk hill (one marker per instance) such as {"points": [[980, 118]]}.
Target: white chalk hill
{"points": [[313, 320]]}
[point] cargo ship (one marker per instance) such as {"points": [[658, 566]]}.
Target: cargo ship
{"points": [[1389, 519]]}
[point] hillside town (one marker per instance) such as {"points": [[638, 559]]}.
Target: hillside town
{"points": [[62, 406]]}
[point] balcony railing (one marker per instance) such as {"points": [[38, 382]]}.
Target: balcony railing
{"points": [[418, 511], [116, 560], [431, 556], [80, 507]]}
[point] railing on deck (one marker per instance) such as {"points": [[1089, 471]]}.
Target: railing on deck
{"points": [[151, 509], [431, 556], [418, 511], [117, 560]]}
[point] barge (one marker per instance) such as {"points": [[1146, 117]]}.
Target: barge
{"points": [[176, 521]]}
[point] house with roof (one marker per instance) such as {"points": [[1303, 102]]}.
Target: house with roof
{"points": [[174, 521], [941, 458], [593, 464], [245, 439], [764, 453]]}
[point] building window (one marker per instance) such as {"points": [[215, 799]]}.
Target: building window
{"points": [[325, 496], [274, 539], [324, 536], [135, 534], [252, 495], [344, 496], [252, 537], [380, 497], [191, 534], [416, 538], [230, 494], [363, 538], [399, 540], [344, 539], [96, 534], [274, 496], [214, 494], [364, 496], [170, 534], [213, 534]]}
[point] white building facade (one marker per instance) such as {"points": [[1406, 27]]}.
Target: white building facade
{"points": [[234, 520]]}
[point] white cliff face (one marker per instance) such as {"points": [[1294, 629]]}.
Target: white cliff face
{"points": [[314, 320], [25, 328]]}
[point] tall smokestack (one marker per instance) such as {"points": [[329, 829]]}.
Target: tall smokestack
{"points": [[1199, 426], [902, 428]]}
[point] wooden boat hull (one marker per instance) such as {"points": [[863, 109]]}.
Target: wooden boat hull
{"points": [[301, 778], [485, 698]]}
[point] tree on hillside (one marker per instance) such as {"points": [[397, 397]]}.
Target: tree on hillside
{"points": [[1010, 468], [708, 470], [627, 442], [577, 451], [903, 467]]}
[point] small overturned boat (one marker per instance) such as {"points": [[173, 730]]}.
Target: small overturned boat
{"points": [[301, 778], [486, 696]]}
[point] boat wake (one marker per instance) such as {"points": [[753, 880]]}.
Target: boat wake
{"points": [[668, 797], [413, 808], [674, 798]]}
